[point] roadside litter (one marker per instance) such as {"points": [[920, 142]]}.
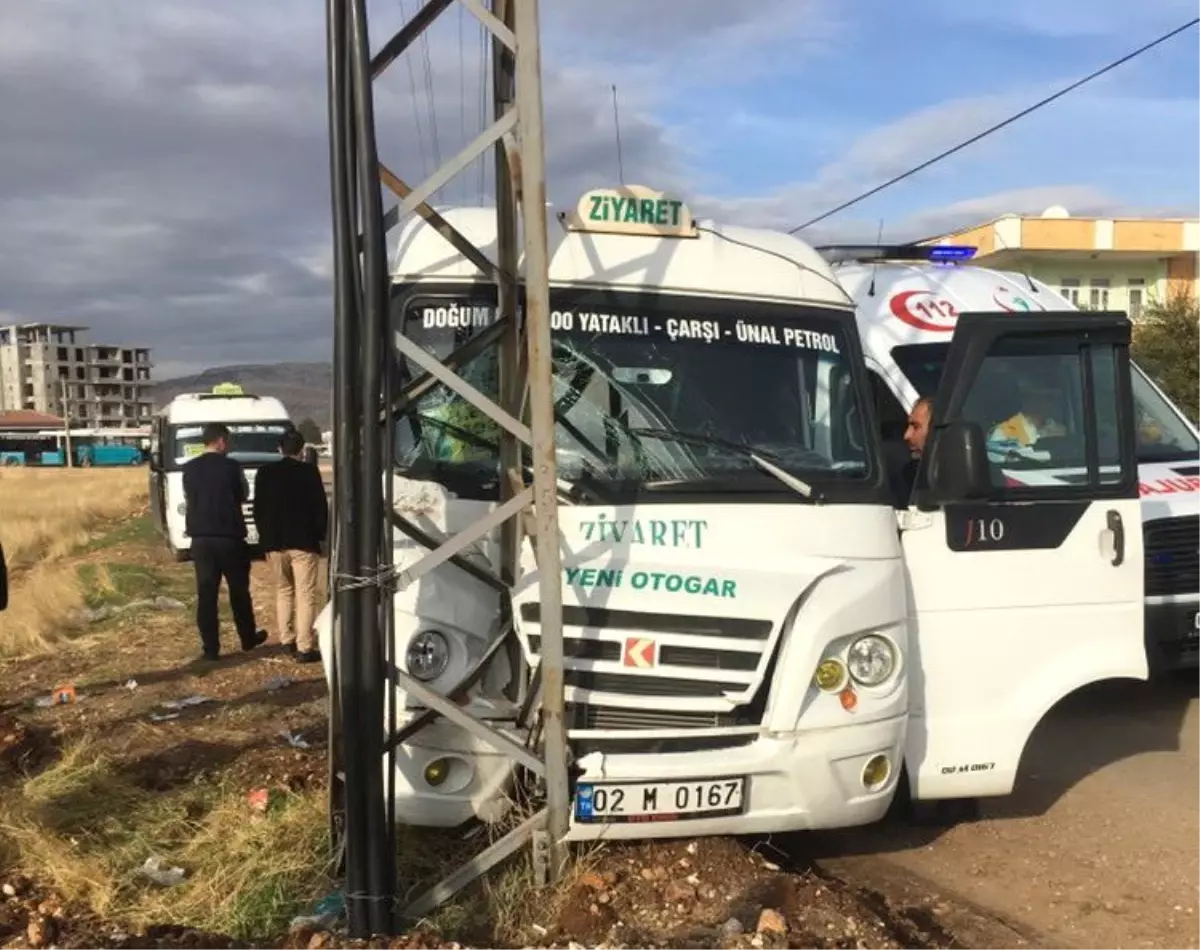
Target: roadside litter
{"points": [[62, 695], [112, 610], [294, 740], [166, 877], [277, 683], [177, 706]]}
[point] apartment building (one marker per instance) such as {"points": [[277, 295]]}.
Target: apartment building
{"points": [[51, 368], [1098, 263]]}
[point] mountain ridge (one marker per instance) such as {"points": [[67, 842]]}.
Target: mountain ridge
{"points": [[306, 389]]}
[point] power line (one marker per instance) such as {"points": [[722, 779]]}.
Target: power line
{"points": [[998, 126]]}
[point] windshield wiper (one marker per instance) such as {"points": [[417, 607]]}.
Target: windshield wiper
{"points": [[761, 459]]}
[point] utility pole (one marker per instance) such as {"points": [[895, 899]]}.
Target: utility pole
{"points": [[365, 669], [69, 458]]}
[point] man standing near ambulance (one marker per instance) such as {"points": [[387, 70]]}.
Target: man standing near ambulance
{"points": [[292, 515]]}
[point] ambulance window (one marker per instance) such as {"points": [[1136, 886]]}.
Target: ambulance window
{"points": [[893, 420], [922, 364]]}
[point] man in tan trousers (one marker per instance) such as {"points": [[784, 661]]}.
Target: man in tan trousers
{"points": [[292, 517]]}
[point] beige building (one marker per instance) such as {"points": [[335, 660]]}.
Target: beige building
{"points": [[1099, 263], [50, 368]]}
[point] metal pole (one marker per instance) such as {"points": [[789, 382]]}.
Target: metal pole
{"points": [[541, 414], [380, 857], [346, 415]]}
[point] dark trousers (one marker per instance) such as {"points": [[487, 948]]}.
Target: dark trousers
{"points": [[213, 559]]}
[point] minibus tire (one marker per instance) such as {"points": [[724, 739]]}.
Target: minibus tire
{"points": [[935, 813]]}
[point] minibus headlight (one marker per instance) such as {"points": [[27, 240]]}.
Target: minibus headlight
{"points": [[428, 655], [871, 659]]}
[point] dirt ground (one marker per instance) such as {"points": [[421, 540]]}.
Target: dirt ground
{"points": [[1098, 847]]}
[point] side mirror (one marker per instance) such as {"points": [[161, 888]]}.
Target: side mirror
{"points": [[958, 463]]}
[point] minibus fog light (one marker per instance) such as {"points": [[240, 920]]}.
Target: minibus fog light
{"points": [[876, 772], [428, 655], [870, 660], [437, 770], [830, 675]]}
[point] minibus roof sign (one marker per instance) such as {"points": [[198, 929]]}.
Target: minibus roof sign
{"points": [[631, 209]]}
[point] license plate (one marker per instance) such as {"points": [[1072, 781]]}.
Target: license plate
{"points": [[611, 802]]}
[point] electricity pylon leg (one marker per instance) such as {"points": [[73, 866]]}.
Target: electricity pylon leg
{"points": [[362, 596]]}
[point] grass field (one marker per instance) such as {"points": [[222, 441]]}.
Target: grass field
{"points": [[47, 519], [89, 791]]}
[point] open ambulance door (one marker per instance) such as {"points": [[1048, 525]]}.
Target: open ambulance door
{"points": [[1025, 562]]}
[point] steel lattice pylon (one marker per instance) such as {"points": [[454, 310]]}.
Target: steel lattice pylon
{"points": [[364, 410]]}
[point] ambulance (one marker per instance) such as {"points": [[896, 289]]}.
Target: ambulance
{"points": [[909, 299], [755, 639], [255, 424]]}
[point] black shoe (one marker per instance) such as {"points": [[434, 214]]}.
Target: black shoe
{"points": [[260, 637], [308, 656]]}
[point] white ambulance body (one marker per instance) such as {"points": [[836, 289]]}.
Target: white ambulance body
{"points": [[750, 643], [907, 311], [255, 423]]}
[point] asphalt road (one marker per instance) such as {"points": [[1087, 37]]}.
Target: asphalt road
{"points": [[1098, 844]]}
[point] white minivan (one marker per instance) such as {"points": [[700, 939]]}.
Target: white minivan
{"points": [[909, 299]]}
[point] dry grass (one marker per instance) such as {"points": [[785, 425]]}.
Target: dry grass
{"points": [[45, 515], [85, 827]]}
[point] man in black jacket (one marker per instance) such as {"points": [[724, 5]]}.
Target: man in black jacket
{"points": [[214, 490], [292, 516]]}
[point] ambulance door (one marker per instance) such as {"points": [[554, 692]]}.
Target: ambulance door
{"points": [[1025, 562]]}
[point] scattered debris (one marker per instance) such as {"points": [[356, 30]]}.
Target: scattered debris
{"points": [[109, 611], [165, 877], [277, 683], [325, 913], [196, 700], [294, 740], [131, 685], [259, 799], [63, 695], [163, 717]]}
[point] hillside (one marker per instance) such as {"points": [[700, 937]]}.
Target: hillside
{"points": [[305, 388]]}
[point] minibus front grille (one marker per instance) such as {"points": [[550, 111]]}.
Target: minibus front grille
{"points": [[1172, 547]]}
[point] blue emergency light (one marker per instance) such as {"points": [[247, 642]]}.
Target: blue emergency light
{"points": [[951, 252], [864, 253]]}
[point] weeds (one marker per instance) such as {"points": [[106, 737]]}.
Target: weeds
{"points": [[44, 517], [86, 826]]}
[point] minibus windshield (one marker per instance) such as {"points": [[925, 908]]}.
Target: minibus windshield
{"points": [[1162, 435], [251, 443], [658, 394]]}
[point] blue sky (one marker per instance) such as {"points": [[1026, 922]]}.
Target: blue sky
{"points": [[165, 182]]}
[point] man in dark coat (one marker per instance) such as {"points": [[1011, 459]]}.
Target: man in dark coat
{"points": [[214, 489], [292, 515]]}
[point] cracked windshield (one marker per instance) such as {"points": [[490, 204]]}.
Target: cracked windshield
{"points": [[656, 398]]}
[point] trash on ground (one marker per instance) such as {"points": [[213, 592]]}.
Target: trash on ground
{"points": [[131, 684], [196, 700], [167, 877], [259, 799], [325, 913], [163, 717], [114, 610], [294, 740], [61, 695], [277, 683]]}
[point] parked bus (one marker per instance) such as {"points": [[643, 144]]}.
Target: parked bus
{"points": [[255, 423], [751, 645], [47, 448]]}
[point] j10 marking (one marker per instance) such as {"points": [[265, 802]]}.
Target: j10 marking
{"points": [[984, 531]]}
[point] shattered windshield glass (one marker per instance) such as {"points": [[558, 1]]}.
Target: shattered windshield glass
{"points": [[659, 391]]}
